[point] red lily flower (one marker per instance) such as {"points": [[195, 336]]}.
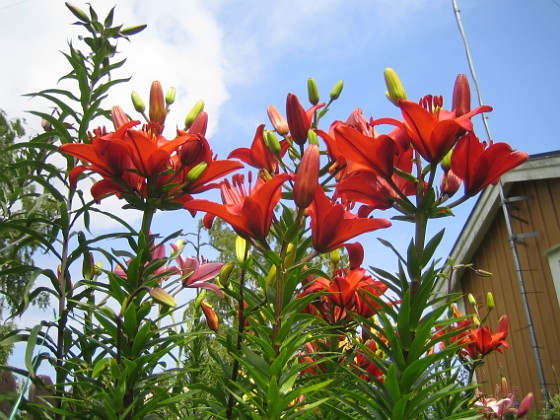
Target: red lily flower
{"points": [[364, 364], [432, 130], [480, 341], [259, 155], [250, 214], [479, 166], [367, 290], [332, 225], [375, 154]]}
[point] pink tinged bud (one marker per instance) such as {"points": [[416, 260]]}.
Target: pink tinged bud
{"points": [[461, 96], [119, 117], [525, 405], [277, 120], [211, 318], [158, 110], [450, 183], [297, 119], [307, 178], [200, 124]]}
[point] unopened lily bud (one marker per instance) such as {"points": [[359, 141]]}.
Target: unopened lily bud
{"points": [[79, 13], [312, 91], [98, 268], [490, 304], [271, 276], [335, 256], [201, 296], [158, 110], [211, 318], [170, 96], [46, 125], [395, 89], [476, 320], [177, 249], [291, 253], [450, 183], [307, 177], [446, 161], [137, 102], [504, 386], [472, 300], [132, 30], [312, 136], [196, 172], [336, 90], [482, 273], [277, 120], [241, 247], [118, 116], [193, 113], [225, 272], [461, 96], [298, 121], [88, 266], [161, 296], [272, 142], [525, 405]]}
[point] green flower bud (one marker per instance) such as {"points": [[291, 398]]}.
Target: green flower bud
{"points": [[312, 91], [446, 161], [197, 171], [241, 249], [313, 138], [482, 273], [472, 300], [225, 272], [271, 276], [201, 296], [137, 102], [290, 258], [395, 89], [79, 13], [337, 90], [335, 256], [170, 96], [272, 142], [490, 304], [191, 116], [161, 296], [132, 30]]}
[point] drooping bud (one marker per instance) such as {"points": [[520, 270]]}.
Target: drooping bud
{"points": [[161, 296], [225, 272], [272, 142], [490, 304], [132, 30], [461, 96], [119, 117], [355, 254], [196, 172], [158, 110], [277, 120], [297, 119], [472, 300], [170, 96], [450, 183], [193, 113], [482, 273], [395, 89], [336, 90], [312, 91], [307, 177], [211, 318], [137, 102]]}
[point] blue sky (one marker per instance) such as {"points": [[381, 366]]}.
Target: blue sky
{"points": [[241, 56]]}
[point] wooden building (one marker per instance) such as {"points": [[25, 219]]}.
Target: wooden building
{"points": [[515, 234]]}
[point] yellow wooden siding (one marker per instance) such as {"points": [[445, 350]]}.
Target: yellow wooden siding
{"points": [[542, 215]]}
